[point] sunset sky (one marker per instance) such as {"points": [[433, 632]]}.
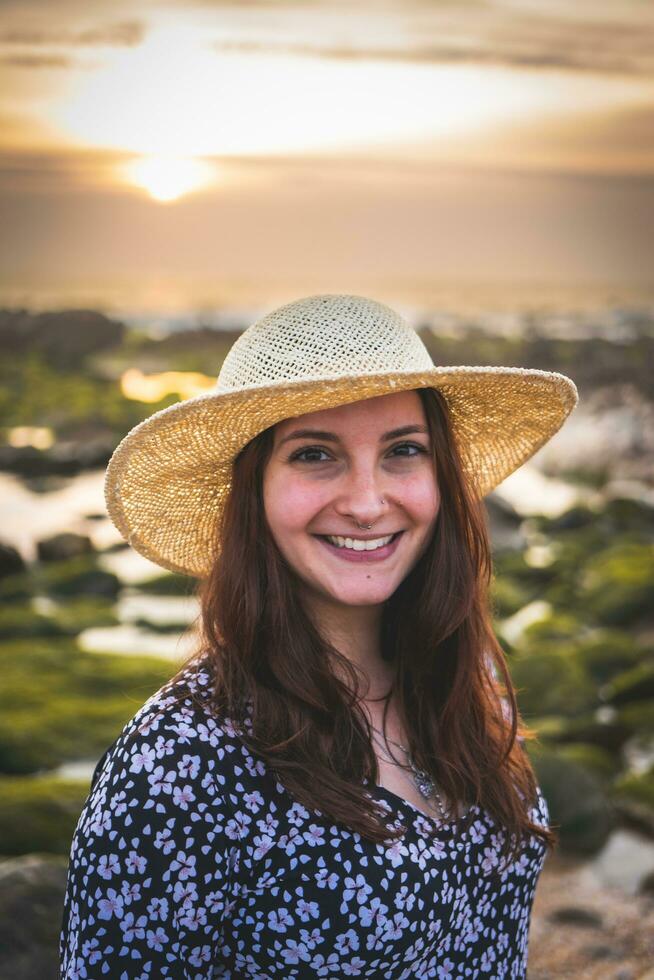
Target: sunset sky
{"points": [[171, 153]]}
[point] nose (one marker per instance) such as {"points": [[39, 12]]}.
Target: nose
{"points": [[363, 499]]}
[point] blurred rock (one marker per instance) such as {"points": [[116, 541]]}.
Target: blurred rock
{"points": [[504, 524], [31, 908], [64, 337], [63, 546], [11, 562], [576, 800], [62, 459], [575, 916]]}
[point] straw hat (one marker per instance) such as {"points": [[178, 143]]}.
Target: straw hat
{"points": [[167, 480]]}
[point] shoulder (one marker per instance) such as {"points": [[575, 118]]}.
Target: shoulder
{"points": [[174, 747]]}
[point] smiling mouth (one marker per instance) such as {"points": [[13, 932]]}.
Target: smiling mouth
{"points": [[359, 544]]}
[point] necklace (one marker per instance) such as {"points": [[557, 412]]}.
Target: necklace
{"points": [[421, 779]]}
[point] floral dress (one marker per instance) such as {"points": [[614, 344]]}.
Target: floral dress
{"points": [[191, 861]]}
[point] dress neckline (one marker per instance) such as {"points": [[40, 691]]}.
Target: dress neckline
{"points": [[400, 803]]}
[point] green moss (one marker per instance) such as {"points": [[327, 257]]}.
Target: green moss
{"points": [[169, 584], [636, 684], [550, 682], [617, 585], [59, 704], [639, 788], [579, 808], [39, 814]]}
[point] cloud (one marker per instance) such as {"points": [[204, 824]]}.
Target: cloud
{"points": [[123, 34]]}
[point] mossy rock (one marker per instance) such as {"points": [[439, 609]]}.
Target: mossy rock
{"points": [[59, 704], [638, 716], [639, 788], [39, 813], [617, 585], [17, 587], [77, 577], [601, 763], [32, 889], [549, 682], [607, 652], [170, 583], [508, 596], [557, 626], [579, 808], [586, 728], [636, 684], [20, 619]]}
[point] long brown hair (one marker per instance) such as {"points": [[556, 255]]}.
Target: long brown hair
{"points": [[271, 663]]}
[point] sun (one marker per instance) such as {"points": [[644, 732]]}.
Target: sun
{"points": [[166, 178]]}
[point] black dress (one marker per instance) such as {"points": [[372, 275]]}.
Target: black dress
{"points": [[191, 861]]}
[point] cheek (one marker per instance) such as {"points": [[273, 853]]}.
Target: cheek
{"points": [[422, 499], [289, 504]]}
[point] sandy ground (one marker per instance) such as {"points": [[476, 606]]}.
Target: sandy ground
{"points": [[587, 931]]}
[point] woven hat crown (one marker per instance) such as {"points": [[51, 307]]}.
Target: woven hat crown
{"points": [[323, 337]]}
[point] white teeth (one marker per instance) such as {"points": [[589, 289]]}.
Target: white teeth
{"points": [[356, 544]]}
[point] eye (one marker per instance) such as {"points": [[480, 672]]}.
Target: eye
{"points": [[409, 445], [300, 453]]}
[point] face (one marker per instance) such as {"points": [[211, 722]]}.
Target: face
{"points": [[328, 472]]}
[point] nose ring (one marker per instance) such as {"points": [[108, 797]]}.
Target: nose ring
{"points": [[366, 527]]}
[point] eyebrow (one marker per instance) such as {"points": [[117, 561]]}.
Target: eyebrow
{"points": [[404, 430]]}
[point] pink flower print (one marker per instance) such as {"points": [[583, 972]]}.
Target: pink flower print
{"points": [[185, 894], [108, 865], [158, 909], [311, 939], [353, 967], [188, 766], [193, 918], [215, 901], [101, 822], [135, 863], [279, 920], [144, 758], [165, 745], [263, 845], [490, 860], [200, 955], [161, 781], [91, 951], [253, 801], [182, 797], [118, 803], [156, 938], [396, 853], [164, 840], [325, 879], [375, 913], [133, 928], [131, 891], [314, 835], [185, 864], [111, 905], [307, 910], [347, 941], [235, 828]]}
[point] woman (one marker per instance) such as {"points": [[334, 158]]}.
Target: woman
{"points": [[335, 784]]}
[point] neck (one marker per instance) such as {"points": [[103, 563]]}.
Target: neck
{"points": [[355, 632]]}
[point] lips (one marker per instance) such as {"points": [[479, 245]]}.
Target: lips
{"points": [[348, 554]]}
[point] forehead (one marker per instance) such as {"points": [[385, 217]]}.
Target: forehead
{"points": [[379, 413]]}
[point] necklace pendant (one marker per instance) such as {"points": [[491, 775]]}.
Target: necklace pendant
{"points": [[424, 784]]}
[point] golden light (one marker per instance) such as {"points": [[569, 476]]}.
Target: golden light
{"points": [[176, 94], [166, 178], [142, 387]]}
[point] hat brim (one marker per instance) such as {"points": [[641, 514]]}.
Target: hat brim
{"points": [[167, 480]]}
